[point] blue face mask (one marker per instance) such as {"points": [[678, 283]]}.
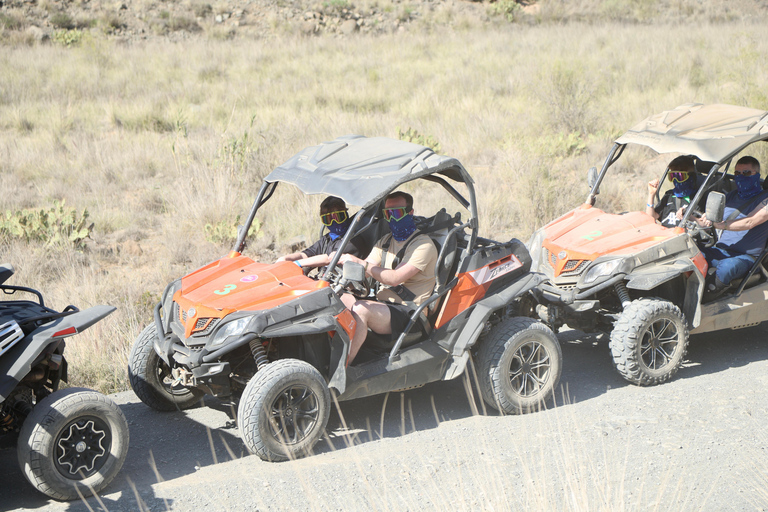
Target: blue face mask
{"points": [[748, 186], [685, 188], [338, 230], [403, 228]]}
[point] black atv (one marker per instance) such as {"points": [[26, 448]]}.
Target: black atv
{"points": [[70, 442]]}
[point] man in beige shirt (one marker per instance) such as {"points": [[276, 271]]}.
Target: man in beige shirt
{"points": [[404, 284]]}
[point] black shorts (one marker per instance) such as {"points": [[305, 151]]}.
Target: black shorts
{"points": [[400, 315]]}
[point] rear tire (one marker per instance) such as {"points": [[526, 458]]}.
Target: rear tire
{"points": [[284, 410], [649, 341], [520, 363], [151, 379], [74, 440]]}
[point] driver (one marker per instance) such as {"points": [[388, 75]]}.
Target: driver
{"points": [[682, 173], [744, 235], [405, 283], [335, 216]]}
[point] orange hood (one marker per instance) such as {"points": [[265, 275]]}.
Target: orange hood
{"points": [[588, 233], [240, 284]]}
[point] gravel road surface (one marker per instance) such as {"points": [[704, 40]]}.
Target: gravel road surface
{"points": [[698, 442]]}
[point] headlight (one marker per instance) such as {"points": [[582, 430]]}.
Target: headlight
{"points": [[534, 249], [233, 328], [605, 268]]}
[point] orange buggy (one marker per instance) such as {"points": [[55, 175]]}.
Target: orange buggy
{"points": [[274, 342], [643, 283]]}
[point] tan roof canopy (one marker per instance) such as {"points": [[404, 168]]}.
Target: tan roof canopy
{"points": [[714, 133]]}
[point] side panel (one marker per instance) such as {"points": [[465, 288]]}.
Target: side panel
{"points": [[494, 268], [746, 310]]}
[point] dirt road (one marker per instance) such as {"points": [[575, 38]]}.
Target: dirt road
{"points": [[698, 442]]}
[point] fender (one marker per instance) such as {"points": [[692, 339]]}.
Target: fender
{"points": [[650, 278], [472, 328], [17, 362]]}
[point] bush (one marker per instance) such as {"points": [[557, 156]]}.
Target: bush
{"points": [[68, 37], [53, 226], [11, 21], [508, 9], [411, 135], [225, 232]]}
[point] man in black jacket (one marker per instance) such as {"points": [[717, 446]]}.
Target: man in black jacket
{"points": [[682, 174], [335, 216]]}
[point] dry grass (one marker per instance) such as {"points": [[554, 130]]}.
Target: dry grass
{"points": [[158, 140]]}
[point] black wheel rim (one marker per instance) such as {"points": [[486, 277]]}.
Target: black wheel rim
{"points": [[529, 368], [294, 414], [659, 344], [166, 380], [82, 447]]}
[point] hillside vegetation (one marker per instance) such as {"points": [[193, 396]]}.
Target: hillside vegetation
{"points": [[155, 147]]}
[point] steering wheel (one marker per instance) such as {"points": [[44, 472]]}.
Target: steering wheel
{"points": [[705, 236], [358, 289]]}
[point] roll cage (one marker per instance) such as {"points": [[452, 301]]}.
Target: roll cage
{"points": [[711, 133], [336, 168]]}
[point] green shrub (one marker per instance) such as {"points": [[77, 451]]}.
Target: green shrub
{"points": [[508, 9], [225, 232], [53, 226], [68, 37], [411, 135]]}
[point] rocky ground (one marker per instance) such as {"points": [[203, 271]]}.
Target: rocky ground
{"points": [[697, 442], [124, 20]]}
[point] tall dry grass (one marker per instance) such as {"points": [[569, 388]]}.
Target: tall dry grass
{"points": [[160, 139]]}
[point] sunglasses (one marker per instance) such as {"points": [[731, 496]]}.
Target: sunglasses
{"points": [[743, 173], [678, 176], [338, 217], [395, 213]]}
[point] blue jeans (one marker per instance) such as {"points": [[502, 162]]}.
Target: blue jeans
{"points": [[730, 265]]}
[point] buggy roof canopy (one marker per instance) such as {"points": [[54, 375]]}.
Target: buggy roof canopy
{"points": [[714, 133], [363, 170]]}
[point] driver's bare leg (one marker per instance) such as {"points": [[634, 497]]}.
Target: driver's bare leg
{"points": [[371, 314]]}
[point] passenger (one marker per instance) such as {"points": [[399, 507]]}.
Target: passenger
{"points": [[405, 283], [744, 234], [682, 173], [335, 216]]}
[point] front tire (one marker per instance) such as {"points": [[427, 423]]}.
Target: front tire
{"points": [[520, 363], [74, 440], [151, 378], [649, 341], [284, 410]]}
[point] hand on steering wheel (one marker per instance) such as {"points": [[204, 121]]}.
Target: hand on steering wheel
{"points": [[706, 234]]}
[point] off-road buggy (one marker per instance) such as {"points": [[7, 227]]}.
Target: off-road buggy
{"points": [[70, 442], [275, 342], [643, 283]]}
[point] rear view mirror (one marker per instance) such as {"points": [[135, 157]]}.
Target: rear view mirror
{"points": [[592, 177], [6, 271], [353, 272], [715, 206]]}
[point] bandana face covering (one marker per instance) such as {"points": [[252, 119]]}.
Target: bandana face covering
{"points": [[337, 230], [684, 189], [748, 186], [403, 228]]}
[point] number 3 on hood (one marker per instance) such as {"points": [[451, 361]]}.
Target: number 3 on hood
{"points": [[228, 288]]}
